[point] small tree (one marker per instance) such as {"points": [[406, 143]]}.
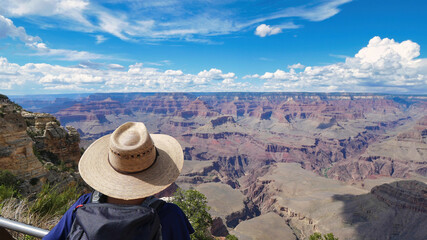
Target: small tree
{"points": [[194, 205], [231, 237], [318, 236]]}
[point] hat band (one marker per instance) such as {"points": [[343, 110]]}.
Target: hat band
{"points": [[133, 172]]}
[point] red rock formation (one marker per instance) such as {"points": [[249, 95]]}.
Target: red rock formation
{"points": [[197, 108], [258, 127], [92, 110]]}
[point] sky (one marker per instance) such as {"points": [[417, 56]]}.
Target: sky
{"points": [[88, 46]]}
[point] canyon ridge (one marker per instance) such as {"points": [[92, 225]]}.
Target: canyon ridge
{"points": [[272, 165]]}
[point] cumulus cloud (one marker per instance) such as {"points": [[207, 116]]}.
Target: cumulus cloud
{"points": [[93, 77], [384, 65], [296, 66], [265, 30], [215, 74], [8, 29]]}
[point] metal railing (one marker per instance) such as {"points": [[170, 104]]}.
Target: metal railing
{"points": [[23, 228]]}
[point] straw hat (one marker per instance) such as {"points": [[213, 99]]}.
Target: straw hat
{"points": [[130, 163]]}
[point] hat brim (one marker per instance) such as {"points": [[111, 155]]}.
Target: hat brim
{"points": [[97, 172]]}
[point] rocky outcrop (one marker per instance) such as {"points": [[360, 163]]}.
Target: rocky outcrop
{"points": [[368, 167], [249, 211], [53, 142], [411, 195], [418, 134], [92, 111], [16, 147], [222, 120], [218, 228], [197, 108]]}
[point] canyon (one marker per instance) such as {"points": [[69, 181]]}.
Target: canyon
{"points": [[286, 164]]}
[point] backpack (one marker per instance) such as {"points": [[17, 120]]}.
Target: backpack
{"points": [[98, 220]]}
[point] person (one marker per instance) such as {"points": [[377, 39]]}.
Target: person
{"points": [[128, 167]]}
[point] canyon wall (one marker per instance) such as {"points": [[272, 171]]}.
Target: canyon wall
{"points": [[30, 140], [16, 147], [285, 152]]}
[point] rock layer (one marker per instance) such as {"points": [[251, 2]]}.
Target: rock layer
{"points": [[59, 143], [16, 147]]}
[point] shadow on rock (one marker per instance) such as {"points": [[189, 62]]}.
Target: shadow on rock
{"points": [[390, 211]]}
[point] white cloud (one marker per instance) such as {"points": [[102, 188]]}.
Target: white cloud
{"points": [[42, 7], [89, 77], [69, 55], [183, 20], [296, 66], [174, 72], [8, 29], [116, 66], [265, 30], [115, 25], [69, 9], [100, 39], [10, 75], [214, 74], [384, 65], [321, 12]]}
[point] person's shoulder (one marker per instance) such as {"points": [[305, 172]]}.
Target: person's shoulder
{"points": [[171, 208], [85, 198], [174, 221]]}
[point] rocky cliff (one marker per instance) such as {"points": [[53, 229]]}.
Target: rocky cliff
{"points": [[53, 142], [411, 195], [28, 140], [16, 147]]}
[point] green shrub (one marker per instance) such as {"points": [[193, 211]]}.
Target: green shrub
{"points": [[318, 236], [194, 205], [8, 179], [52, 202], [231, 237], [9, 185], [7, 192]]}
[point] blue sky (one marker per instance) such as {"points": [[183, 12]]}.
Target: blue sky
{"points": [[66, 46]]}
